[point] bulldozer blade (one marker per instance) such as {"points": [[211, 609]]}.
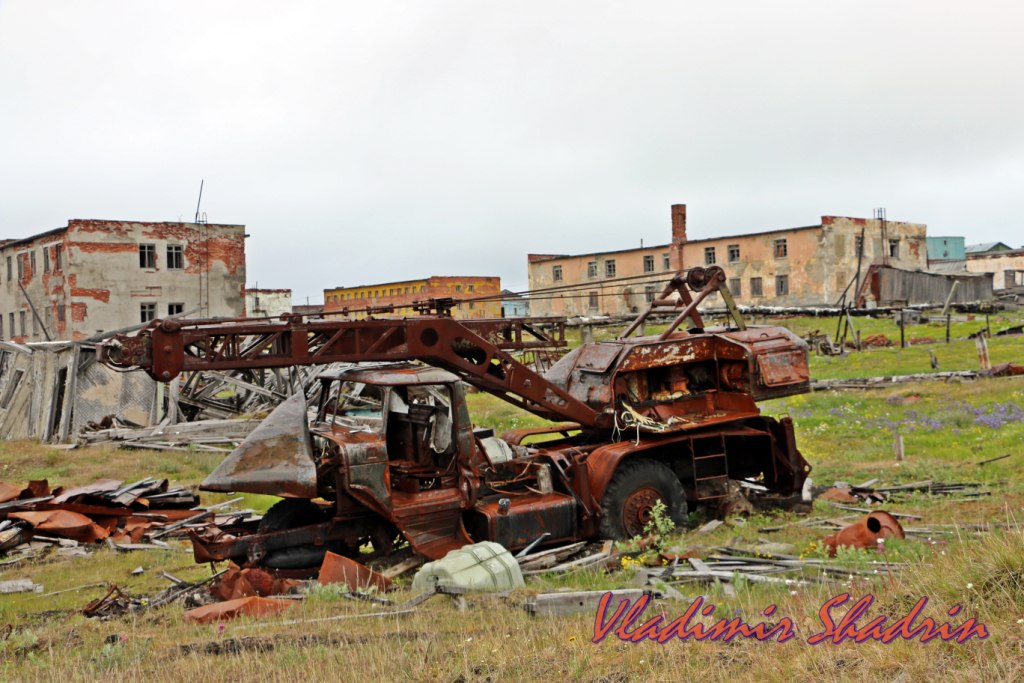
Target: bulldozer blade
{"points": [[276, 459]]}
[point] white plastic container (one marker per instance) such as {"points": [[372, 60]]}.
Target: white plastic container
{"points": [[486, 566]]}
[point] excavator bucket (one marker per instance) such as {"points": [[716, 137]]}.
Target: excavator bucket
{"points": [[276, 459]]}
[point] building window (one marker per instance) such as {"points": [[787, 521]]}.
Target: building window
{"points": [[9, 275], [592, 269], [648, 264], [471, 304], [609, 268], [458, 288], [894, 248], [21, 266], [58, 256], [32, 261], [147, 312], [666, 262], [49, 318], [175, 257], [734, 286], [175, 309], [709, 256], [46, 259], [650, 292], [1, 325], [60, 313], [147, 257], [11, 318], [781, 250], [858, 245], [470, 288], [755, 287], [35, 326], [734, 253], [781, 285], [21, 322], [592, 301]]}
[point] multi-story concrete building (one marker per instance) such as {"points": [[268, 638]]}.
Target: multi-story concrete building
{"points": [[476, 297], [95, 276], [803, 266]]}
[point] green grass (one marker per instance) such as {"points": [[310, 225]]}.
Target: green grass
{"points": [[947, 429]]}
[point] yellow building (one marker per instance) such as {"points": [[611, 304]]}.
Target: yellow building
{"points": [[475, 297]]}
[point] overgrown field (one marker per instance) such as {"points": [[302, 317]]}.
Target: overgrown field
{"points": [[947, 428]]}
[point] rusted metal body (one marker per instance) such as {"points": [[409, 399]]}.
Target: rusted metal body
{"points": [[395, 454]]}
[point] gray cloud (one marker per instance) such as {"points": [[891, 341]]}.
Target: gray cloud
{"points": [[367, 141]]}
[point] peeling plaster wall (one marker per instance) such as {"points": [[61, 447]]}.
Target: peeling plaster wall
{"points": [[88, 277], [267, 303], [998, 263]]}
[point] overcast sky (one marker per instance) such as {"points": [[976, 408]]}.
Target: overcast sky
{"points": [[363, 142]]}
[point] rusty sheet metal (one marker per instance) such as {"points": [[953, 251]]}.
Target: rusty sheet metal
{"points": [[242, 583], [866, 532], [670, 353], [250, 607], [9, 492], [782, 368], [340, 569], [525, 519], [67, 524], [276, 459]]}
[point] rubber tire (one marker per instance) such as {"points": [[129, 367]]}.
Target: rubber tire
{"points": [[289, 513], [632, 476]]}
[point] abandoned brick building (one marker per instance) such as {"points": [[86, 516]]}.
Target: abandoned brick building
{"points": [[465, 290], [803, 266], [98, 275]]}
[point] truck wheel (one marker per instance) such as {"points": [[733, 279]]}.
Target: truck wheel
{"points": [[631, 495]]}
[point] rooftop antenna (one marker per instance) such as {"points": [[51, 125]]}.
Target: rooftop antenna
{"points": [[200, 200]]}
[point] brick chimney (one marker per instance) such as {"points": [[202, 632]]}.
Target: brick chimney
{"points": [[678, 234]]}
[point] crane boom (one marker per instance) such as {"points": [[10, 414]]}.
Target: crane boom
{"points": [[475, 350]]}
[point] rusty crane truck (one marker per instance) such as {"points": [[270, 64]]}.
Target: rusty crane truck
{"points": [[392, 454]]}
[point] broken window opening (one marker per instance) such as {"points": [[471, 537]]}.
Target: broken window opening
{"points": [[147, 256], [175, 257], [734, 253], [648, 264], [781, 248], [756, 287], [781, 285], [592, 269], [609, 268], [709, 256], [147, 312]]}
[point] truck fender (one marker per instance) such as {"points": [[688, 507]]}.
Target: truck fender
{"points": [[603, 461]]}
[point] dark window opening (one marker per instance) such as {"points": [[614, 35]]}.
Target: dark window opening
{"points": [[147, 257]]}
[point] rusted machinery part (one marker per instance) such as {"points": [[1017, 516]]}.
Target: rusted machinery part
{"points": [[866, 532]]}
